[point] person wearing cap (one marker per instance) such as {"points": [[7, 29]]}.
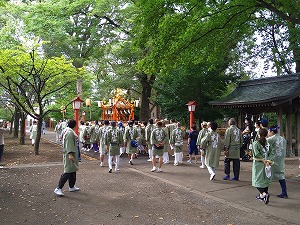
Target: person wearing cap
{"points": [[114, 139], [2, 130], [264, 123], [278, 143], [232, 143], [201, 135]]}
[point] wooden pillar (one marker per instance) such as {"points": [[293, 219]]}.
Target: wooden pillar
{"points": [[297, 122], [279, 120], [240, 119], [289, 134]]}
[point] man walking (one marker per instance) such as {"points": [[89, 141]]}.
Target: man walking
{"points": [[70, 159], [157, 140], [232, 144]]}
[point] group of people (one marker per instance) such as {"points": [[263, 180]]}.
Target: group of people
{"points": [[268, 152], [33, 131], [157, 138]]}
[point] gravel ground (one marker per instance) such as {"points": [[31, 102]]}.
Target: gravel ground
{"points": [[179, 195]]}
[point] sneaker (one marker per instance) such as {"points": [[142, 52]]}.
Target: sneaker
{"points": [[176, 164], [166, 162], [202, 167], [101, 164], [110, 170], [267, 199], [235, 178], [159, 170], [74, 189], [212, 176], [153, 169], [226, 177], [130, 162], [259, 198], [117, 169], [189, 161], [149, 160], [58, 192], [282, 196]]}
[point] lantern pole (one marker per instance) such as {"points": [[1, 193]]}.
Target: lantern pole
{"points": [[76, 106]]}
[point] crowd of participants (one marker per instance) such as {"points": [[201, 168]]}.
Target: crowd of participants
{"points": [[160, 139]]}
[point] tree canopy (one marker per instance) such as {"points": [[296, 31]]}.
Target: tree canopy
{"points": [[155, 48], [32, 81]]}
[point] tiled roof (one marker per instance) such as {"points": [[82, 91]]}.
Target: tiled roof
{"points": [[270, 91]]}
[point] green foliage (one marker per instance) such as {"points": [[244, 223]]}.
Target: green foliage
{"points": [[185, 84], [33, 81], [181, 32]]}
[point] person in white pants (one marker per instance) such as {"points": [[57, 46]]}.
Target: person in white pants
{"points": [[114, 139], [148, 130], [121, 129], [212, 144], [176, 140], [201, 135]]}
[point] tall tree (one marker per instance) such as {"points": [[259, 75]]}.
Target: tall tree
{"points": [[201, 30], [32, 80]]}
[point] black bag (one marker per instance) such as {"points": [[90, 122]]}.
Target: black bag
{"points": [[159, 147]]}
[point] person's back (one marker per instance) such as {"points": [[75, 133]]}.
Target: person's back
{"points": [[148, 131], [192, 146], [232, 143], [176, 141], [233, 140], [278, 144]]}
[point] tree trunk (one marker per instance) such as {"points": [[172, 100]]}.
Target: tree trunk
{"points": [[146, 82], [38, 136], [11, 122], [16, 122], [22, 129], [294, 45], [297, 66]]}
